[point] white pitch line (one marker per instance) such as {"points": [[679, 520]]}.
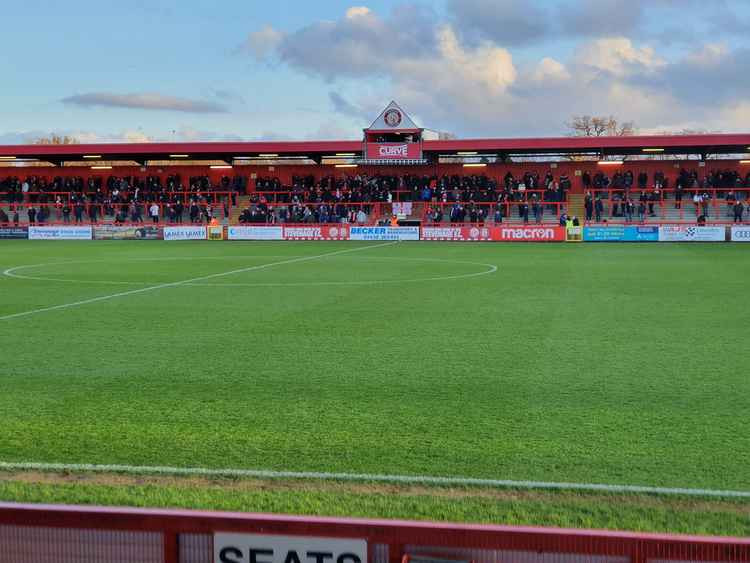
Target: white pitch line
{"points": [[186, 282], [368, 477]]}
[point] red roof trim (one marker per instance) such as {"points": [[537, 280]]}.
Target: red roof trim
{"points": [[154, 151]]}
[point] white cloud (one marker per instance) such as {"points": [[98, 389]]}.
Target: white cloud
{"points": [[263, 42], [618, 56], [357, 12], [709, 54], [550, 70], [148, 100]]}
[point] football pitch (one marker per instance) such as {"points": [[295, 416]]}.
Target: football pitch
{"points": [[607, 364]]}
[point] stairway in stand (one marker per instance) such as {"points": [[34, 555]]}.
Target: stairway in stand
{"points": [[243, 202], [575, 206]]}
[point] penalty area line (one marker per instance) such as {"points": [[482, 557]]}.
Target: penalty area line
{"points": [[182, 282], [368, 477]]}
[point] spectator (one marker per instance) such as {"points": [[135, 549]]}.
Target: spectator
{"points": [[598, 208], [739, 209], [641, 211], [31, 214], [4, 219], [588, 205], [153, 212], [361, 217]]}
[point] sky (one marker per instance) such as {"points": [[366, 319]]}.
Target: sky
{"points": [[189, 70]]}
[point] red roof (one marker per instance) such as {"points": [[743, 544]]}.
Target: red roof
{"points": [[675, 144]]}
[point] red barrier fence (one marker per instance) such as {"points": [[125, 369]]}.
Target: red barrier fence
{"points": [[66, 534]]}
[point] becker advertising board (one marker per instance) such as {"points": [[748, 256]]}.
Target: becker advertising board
{"points": [[261, 548], [384, 233], [317, 232], [394, 151]]}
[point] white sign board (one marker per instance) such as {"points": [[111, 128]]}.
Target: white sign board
{"points": [[60, 233], [258, 548], [740, 234], [255, 233], [384, 233], [184, 233], [680, 233]]}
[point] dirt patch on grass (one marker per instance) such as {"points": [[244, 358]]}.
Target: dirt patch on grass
{"points": [[501, 495]]}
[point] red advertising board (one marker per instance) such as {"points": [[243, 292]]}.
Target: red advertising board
{"points": [[500, 234], [457, 233], [394, 151], [316, 232], [530, 234]]}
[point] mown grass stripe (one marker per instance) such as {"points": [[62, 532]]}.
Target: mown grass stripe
{"points": [[367, 477]]}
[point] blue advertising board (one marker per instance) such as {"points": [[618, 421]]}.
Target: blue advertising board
{"points": [[621, 233]]}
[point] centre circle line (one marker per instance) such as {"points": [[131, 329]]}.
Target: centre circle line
{"points": [[490, 269]]}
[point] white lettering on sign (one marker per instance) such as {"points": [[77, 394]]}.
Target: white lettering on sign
{"points": [[394, 150], [525, 234], [257, 548], [442, 232], [303, 232]]}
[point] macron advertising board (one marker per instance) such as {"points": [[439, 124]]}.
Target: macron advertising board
{"points": [[682, 233], [624, 233], [384, 233], [255, 233], [60, 233], [184, 233]]}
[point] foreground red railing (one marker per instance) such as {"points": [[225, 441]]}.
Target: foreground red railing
{"points": [[43, 533]]}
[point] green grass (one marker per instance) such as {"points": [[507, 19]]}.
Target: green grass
{"points": [[636, 513], [622, 364]]}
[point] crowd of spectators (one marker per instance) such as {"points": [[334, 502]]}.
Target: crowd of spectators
{"points": [[122, 199], [355, 197]]}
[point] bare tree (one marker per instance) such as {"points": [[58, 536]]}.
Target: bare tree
{"points": [[599, 126], [54, 139]]}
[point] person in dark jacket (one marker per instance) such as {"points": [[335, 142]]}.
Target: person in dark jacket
{"points": [[31, 212], [598, 208], [588, 204], [739, 209]]}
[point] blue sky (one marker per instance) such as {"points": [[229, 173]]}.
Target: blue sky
{"points": [[191, 70]]}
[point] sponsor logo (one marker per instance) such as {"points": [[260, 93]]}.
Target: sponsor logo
{"points": [[14, 232], [384, 233], [741, 234], [184, 233], [442, 233], [255, 233], [678, 233], [528, 234], [60, 233], [303, 232], [393, 150]]}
